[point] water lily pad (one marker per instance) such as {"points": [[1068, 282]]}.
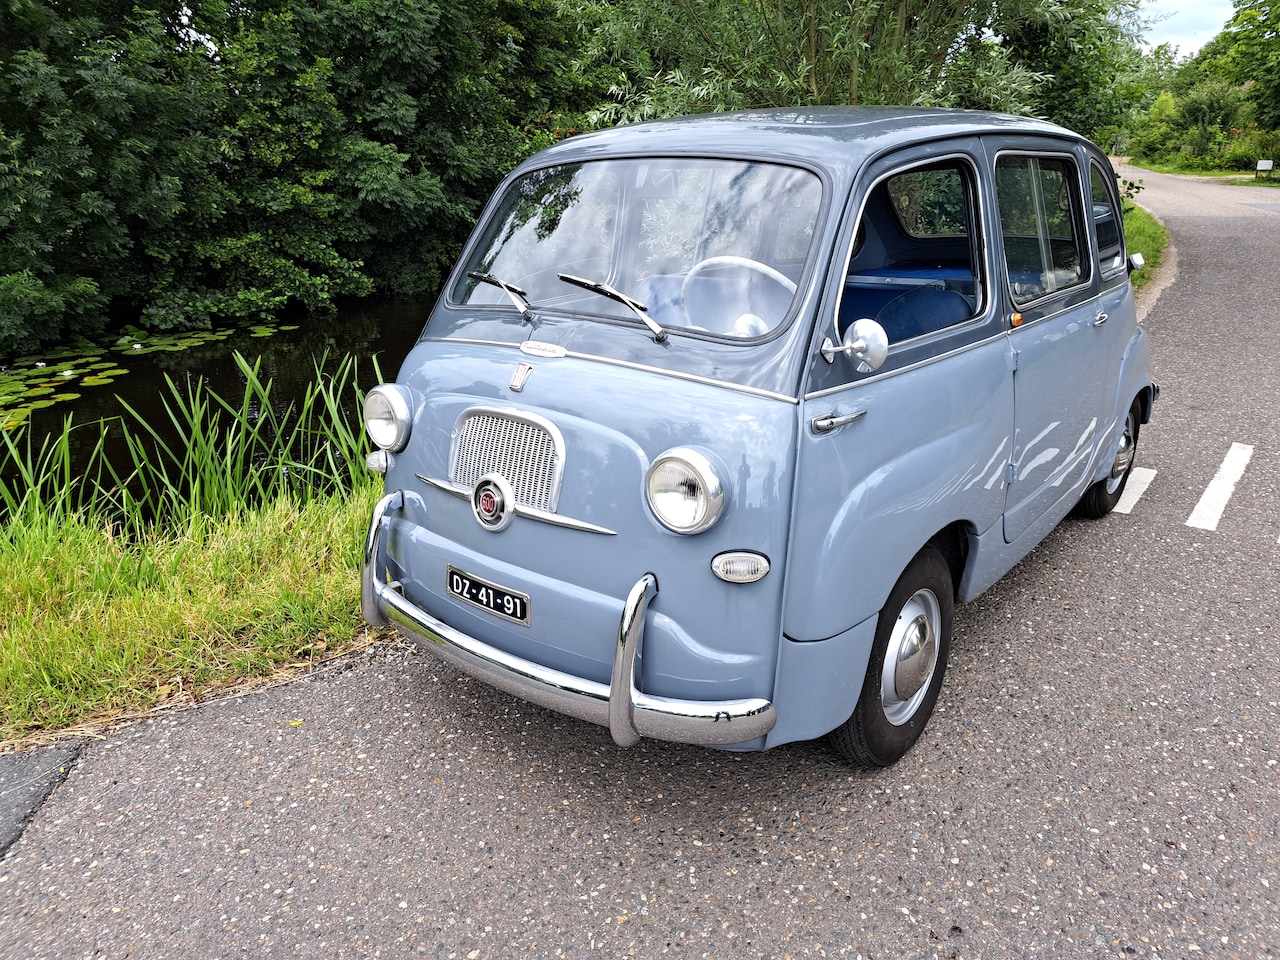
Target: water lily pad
{"points": [[113, 372], [60, 397], [38, 392], [10, 419], [96, 381], [39, 404]]}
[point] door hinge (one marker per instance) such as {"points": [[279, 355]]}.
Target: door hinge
{"points": [[1010, 471], [1015, 360]]}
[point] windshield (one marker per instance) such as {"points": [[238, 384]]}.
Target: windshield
{"points": [[699, 245]]}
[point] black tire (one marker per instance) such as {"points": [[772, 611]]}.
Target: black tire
{"points": [[915, 622], [1101, 498]]}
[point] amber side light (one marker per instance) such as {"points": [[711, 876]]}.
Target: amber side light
{"points": [[1016, 320]]}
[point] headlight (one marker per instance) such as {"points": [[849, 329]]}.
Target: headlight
{"points": [[685, 491], [387, 416]]}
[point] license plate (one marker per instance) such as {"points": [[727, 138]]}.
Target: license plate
{"points": [[489, 596]]}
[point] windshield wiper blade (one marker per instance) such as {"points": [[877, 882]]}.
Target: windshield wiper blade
{"points": [[518, 296], [635, 306]]}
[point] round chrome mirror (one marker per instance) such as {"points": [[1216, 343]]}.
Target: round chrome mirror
{"points": [[867, 343]]}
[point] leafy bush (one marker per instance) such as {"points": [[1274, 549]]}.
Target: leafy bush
{"points": [[198, 163]]}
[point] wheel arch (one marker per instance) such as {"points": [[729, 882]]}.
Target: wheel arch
{"points": [[952, 541]]}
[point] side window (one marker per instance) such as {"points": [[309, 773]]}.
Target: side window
{"points": [[1040, 221], [1107, 223], [913, 268]]}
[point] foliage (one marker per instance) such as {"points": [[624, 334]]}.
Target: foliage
{"points": [[1253, 57], [683, 56], [1220, 110], [227, 455], [190, 164], [208, 562], [1086, 53], [1052, 57], [1143, 234]]}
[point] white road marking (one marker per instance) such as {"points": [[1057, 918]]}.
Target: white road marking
{"points": [[1139, 479], [1214, 501]]}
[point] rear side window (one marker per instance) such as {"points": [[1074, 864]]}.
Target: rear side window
{"points": [[1040, 222], [1106, 223]]}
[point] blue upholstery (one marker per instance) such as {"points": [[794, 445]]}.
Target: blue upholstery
{"points": [[922, 310], [864, 300]]}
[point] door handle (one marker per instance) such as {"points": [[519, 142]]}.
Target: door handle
{"points": [[831, 421], [1100, 319]]}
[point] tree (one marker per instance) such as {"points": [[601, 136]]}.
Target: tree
{"points": [[1252, 37], [211, 161], [1087, 53], [1052, 57], [93, 123]]}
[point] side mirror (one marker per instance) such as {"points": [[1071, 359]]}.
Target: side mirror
{"points": [[865, 341], [1136, 262]]}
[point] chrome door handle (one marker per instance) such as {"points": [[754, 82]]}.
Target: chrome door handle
{"points": [[831, 421], [1100, 319]]}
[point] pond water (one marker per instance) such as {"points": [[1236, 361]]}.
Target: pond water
{"points": [[91, 387]]}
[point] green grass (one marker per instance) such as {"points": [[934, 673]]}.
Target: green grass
{"points": [[196, 569], [95, 623], [1143, 234]]}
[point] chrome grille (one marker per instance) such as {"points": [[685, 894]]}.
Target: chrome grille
{"points": [[525, 450]]}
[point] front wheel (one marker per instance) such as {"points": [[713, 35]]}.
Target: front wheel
{"points": [[1101, 498], [908, 660]]}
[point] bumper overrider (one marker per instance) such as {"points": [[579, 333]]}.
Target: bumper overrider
{"points": [[629, 714]]}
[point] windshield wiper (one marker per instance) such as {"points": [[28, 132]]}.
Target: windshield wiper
{"points": [[635, 306], [518, 296]]}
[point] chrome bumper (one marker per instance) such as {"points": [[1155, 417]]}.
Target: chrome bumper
{"points": [[628, 713]]}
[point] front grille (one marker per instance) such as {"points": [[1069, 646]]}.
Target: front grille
{"points": [[525, 450]]}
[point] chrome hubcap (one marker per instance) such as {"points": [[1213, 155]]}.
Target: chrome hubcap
{"points": [[1124, 456], [911, 657]]}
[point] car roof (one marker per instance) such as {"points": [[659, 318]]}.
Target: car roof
{"points": [[834, 137]]}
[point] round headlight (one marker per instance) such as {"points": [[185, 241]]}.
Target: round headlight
{"points": [[685, 491], [387, 417]]}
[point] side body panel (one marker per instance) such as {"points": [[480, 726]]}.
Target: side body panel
{"points": [[930, 450]]}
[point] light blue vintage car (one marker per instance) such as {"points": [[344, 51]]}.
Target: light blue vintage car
{"points": [[717, 418]]}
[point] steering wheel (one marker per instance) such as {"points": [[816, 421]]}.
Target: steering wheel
{"points": [[746, 263]]}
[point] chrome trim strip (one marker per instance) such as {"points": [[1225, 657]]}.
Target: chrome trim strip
{"points": [[627, 712], [841, 388], [630, 365], [521, 510]]}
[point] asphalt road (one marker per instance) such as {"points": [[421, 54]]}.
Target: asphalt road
{"points": [[1100, 779]]}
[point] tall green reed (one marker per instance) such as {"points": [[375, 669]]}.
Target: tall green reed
{"points": [[214, 457]]}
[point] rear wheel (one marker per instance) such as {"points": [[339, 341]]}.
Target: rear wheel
{"points": [[1101, 498], [908, 660]]}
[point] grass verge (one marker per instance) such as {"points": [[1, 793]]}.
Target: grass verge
{"points": [[1143, 234], [95, 623], [199, 566]]}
